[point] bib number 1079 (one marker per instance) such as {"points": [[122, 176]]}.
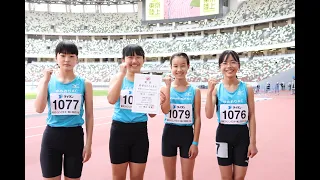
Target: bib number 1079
{"points": [[179, 113]]}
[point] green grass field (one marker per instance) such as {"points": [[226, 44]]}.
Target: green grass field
{"points": [[95, 93]]}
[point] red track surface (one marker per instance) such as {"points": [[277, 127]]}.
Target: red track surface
{"points": [[275, 142]]}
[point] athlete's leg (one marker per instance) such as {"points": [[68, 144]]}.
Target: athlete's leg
{"points": [[137, 170], [66, 178], [240, 153], [169, 151], [226, 172], [73, 149], [119, 171], [50, 155], [224, 151], [239, 172], [187, 166], [139, 153], [119, 151], [169, 164], [54, 178]]}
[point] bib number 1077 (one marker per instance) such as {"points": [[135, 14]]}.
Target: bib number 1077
{"points": [[61, 104], [65, 103]]}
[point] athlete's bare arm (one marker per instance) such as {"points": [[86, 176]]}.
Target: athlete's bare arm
{"points": [[89, 112], [165, 107], [252, 118], [115, 88], [42, 95], [115, 84], [211, 103], [197, 116]]}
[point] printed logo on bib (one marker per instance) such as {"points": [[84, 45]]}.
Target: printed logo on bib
{"points": [[126, 99], [233, 113], [180, 114], [222, 149], [65, 103]]}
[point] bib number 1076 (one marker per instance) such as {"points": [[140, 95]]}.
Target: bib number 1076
{"points": [[233, 113]]}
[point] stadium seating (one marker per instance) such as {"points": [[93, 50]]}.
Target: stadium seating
{"points": [[255, 69], [249, 11], [267, 36], [252, 70]]}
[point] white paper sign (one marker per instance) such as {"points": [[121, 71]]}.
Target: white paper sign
{"points": [[146, 93]]}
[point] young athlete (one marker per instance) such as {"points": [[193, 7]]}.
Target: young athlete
{"points": [[65, 93], [129, 143], [182, 111], [235, 142]]}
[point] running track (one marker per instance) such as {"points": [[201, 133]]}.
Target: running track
{"points": [[275, 142]]}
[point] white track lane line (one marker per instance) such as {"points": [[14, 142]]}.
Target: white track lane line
{"points": [[33, 127], [42, 134]]}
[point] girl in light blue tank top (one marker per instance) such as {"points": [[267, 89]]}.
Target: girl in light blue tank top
{"points": [[65, 94], [182, 118], [129, 142], [234, 101]]}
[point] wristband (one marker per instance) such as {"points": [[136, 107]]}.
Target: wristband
{"points": [[195, 143]]}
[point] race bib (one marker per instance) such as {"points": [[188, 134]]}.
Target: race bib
{"points": [[180, 114], [126, 99], [233, 113], [65, 103], [222, 149]]}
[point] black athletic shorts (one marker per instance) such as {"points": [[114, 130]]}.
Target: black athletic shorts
{"points": [[62, 141], [175, 137], [128, 142], [232, 143]]}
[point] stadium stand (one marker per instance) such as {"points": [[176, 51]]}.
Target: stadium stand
{"points": [[253, 69]]}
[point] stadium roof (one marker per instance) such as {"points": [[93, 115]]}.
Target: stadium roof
{"points": [[84, 2]]}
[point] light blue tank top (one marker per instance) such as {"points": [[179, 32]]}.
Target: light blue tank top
{"points": [[122, 108], [181, 107], [65, 102], [232, 107]]}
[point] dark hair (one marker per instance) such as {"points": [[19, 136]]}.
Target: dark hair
{"points": [[66, 47], [180, 54], [225, 55], [132, 49]]}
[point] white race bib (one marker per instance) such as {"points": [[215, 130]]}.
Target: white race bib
{"points": [[65, 103], [180, 114], [126, 99], [233, 113], [222, 149]]}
